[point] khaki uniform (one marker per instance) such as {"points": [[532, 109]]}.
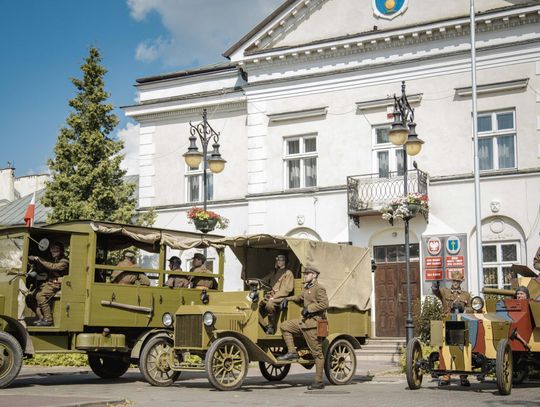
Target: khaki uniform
{"points": [[449, 296], [201, 283], [177, 281], [128, 277], [537, 260], [57, 268], [316, 302], [282, 283]]}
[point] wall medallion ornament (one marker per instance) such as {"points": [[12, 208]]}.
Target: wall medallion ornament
{"points": [[389, 9]]}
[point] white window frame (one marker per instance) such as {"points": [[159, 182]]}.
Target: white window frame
{"points": [[190, 172], [379, 147], [499, 263], [495, 133], [301, 156]]}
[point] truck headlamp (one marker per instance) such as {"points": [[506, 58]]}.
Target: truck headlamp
{"points": [[477, 304], [167, 320], [208, 318]]}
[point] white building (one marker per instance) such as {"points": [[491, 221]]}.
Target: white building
{"points": [[303, 106]]}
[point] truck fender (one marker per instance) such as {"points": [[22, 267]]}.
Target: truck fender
{"points": [[145, 337], [19, 332], [254, 352], [335, 336]]}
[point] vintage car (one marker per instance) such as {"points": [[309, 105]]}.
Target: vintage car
{"points": [[110, 322], [502, 337], [224, 336]]}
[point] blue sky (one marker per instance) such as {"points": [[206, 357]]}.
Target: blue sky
{"points": [[44, 42]]}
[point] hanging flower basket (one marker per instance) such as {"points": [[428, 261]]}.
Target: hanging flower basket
{"points": [[206, 221], [405, 208]]}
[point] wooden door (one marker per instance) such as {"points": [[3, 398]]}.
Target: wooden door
{"points": [[391, 297]]}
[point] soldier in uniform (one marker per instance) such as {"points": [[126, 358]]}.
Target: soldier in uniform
{"points": [[453, 299], [281, 279], [197, 266], [315, 304], [58, 267], [129, 277], [176, 281]]}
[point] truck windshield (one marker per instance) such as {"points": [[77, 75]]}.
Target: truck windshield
{"points": [[11, 252]]}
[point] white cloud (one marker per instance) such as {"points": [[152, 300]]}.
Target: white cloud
{"points": [[199, 31], [130, 136]]}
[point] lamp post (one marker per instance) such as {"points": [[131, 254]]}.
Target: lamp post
{"points": [[193, 156], [403, 133]]}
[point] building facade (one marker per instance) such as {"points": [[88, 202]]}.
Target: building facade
{"points": [[303, 106]]}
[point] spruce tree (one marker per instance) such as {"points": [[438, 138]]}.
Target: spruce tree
{"points": [[87, 179]]}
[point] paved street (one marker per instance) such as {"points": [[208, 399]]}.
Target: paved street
{"points": [[41, 387]]}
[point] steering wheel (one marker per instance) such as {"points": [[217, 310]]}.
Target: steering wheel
{"points": [[260, 283]]}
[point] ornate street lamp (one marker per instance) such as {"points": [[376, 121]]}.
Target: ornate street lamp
{"points": [[403, 133], [193, 156]]}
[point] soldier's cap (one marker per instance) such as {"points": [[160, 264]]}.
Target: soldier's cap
{"points": [[199, 256], [129, 254], [523, 289], [281, 257], [456, 276], [59, 245], [175, 259], [311, 270]]}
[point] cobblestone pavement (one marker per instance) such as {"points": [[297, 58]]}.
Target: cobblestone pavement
{"points": [[47, 387]]}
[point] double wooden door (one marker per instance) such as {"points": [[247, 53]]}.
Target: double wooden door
{"points": [[391, 297]]}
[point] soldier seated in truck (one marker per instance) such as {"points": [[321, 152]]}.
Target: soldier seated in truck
{"points": [[56, 269], [126, 277]]}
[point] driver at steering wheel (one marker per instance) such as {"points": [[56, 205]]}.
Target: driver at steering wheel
{"points": [[281, 279]]}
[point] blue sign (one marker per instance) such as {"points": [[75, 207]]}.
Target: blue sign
{"points": [[389, 8], [453, 245]]}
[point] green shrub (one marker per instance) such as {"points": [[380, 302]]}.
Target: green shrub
{"points": [[423, 313], [58, 359]]}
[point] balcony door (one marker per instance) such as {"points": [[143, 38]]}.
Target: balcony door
{"points": [[391, 288]]}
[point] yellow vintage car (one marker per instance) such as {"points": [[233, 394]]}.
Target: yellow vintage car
{"points": [[223, 336]]}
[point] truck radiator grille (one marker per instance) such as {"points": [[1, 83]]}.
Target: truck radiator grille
{"points": [[188, 331]]}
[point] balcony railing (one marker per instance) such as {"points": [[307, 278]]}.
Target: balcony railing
{"points": [[367, 193]]}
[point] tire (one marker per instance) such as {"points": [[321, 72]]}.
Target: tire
{"points": [[226, 363], [275, 373], [154, 362], [503, 367], [412, 357], [11, 358], [340, 362], [107, 367]]}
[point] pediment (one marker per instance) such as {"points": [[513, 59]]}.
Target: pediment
{"points": [[304, 22]]}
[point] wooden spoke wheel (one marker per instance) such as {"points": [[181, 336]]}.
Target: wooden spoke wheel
{"points": [[154, 363], [504, 367], [275, 373], [108, 367], [413, 357], [11, 357], [226, 363], [340, 362]]}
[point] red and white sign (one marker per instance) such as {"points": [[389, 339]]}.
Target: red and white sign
{"points": [[432, 275], [433, 262], [29, 214], [434, 246], [454, 261], [456, 270]]}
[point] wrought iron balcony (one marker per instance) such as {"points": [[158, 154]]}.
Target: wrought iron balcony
{"points": [[367, 193]]}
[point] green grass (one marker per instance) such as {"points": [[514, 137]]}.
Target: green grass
{"points": [[58, 359]]}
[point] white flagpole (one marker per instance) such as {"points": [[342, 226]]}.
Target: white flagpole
{"points": [[477, 201]]}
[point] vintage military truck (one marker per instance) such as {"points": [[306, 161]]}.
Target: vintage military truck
{"points": [[223, 336], [112, 323], [502, 336]]}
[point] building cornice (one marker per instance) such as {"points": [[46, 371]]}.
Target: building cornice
{"points": [[396, 38], [494, 175], [298, 114], [386, 102], [517, 84]]}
